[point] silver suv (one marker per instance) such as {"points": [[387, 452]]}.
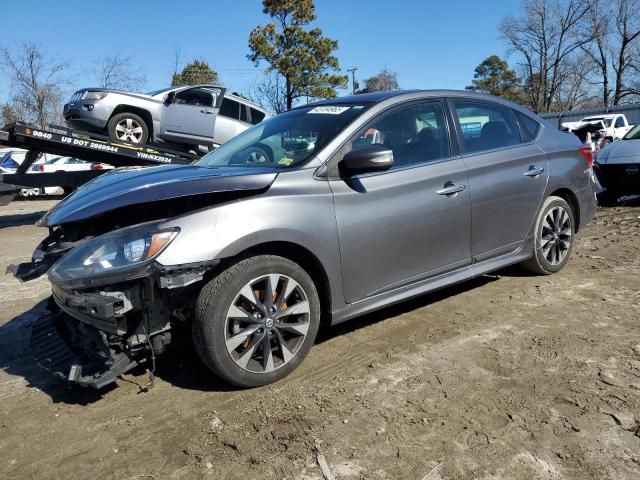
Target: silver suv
{"points": [[192, 115], [357, 203]]}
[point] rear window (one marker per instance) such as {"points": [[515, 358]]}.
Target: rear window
{"points": [[528, 126], [256, 116], [485, 126], [230, 108]]}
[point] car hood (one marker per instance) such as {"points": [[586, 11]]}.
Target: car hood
{"points": [[623, 151], [115, 90], [138, 185]]}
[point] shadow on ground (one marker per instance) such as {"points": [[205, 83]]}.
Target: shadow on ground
{"points": [[20, 219], [16, 360], [179, 365]]}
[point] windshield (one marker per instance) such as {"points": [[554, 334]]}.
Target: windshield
{"points": [[633, 134], [286, 140], [158, 92]]}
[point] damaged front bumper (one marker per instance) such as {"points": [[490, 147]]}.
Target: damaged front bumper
{"points": [[51, 345], [91, 336]]}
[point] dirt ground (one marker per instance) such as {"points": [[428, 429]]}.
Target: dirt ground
{"points": [[509, 376]]}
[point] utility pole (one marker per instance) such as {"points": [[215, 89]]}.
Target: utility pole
{"points": [[354, 84]]}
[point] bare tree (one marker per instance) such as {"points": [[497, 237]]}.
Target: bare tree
{"points": [[627, 28], [36, 83], [384, 81], [118, 71], [597, 24], [547, 37], [615, 27], [575, 91], [269, 93]]}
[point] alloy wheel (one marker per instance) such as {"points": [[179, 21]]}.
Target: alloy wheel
{"points": [[267, 323], [129, 130], [557, 233], [257, 157]]}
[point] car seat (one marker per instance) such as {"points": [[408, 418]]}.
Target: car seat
{"points": [[494, 134]]}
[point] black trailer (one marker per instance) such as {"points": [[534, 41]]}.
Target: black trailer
{"points": [[69, 142]]}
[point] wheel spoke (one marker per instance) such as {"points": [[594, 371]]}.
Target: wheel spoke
{"points": [[249, 294], [271, 290], [288, 289], [243, 360], [549, 254], [267, 354], [297, 309], [287, 354], [120, 128], [238, 339], [300, 328]]}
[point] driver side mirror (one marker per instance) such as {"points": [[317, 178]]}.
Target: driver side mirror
{"points": [[171, 98], [371, 158]]}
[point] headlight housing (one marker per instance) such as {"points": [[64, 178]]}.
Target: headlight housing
{"points": [[89, 95], [113, 254]]}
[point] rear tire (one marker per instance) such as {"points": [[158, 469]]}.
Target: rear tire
{"points": [[6, 198], [261, 304], [128, 127], [553, 237]]}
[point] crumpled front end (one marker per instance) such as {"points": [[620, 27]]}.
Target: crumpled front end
{"points": [[113, 306], [92, 335]]}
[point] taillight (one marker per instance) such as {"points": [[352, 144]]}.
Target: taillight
{"points": [[41, 168], [97, 166], [587, 153]]}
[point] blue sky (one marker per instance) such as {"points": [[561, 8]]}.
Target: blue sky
{"points": [[430, 44]]}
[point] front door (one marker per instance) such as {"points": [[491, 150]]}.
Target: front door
{"points": [[191, 117], [411, 222], [507, 175]]}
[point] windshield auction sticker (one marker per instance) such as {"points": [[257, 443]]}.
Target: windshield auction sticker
{"points": [[329, 109]]}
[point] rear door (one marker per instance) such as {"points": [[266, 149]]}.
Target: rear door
{"points": [[232, 120], [192, 116], [508, 174], [411, 222]]}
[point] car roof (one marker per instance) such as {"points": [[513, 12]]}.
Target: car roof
{"points": [[605, 115], [379, 97]]}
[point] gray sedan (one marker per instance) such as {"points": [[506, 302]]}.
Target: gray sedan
{"points": [[360, 203]]}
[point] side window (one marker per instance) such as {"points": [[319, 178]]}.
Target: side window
{"points": [[485, 126], [256, 116], [195, 97], [243, 113], [230, 108], [528, 126], [619, 123], [416, 134]]}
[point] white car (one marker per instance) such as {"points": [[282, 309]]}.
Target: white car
{"points": [[610, 127], [67, 164]]}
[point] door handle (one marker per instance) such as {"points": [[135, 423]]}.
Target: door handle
{"points": [[208, 112], [451, 189], [534, 171]]}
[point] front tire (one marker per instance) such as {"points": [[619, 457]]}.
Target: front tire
{"points": [[256, 321], [554, 232], [128, 127]]}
